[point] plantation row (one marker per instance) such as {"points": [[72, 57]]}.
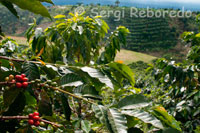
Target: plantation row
{"points": [[146, 33]]}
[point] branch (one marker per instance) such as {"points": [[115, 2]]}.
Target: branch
{"points": [[55, 88], [26, 117], [52, 123], [20, 60], [13, 117], [75, 96], [9, 83]]}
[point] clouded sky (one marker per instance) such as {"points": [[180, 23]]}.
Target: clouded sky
{"points": [[179, 1]]}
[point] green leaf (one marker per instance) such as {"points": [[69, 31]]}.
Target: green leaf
{"points": [[170, 130], [99, 75], [66, 107], [85, 125], [10, 95], [45, 105], [30, 100], [169, 120], [118, 121], [133, 102], [31, 70], [10, 7], [32, 5], [59, 16], [71, 79], [87, 91], [17, 106], [51, 71], [48, 1], [101, 113], [124, 70], [144, 116]]}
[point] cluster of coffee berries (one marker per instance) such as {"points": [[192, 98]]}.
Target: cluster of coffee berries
{"points": [[34, 119], [21, 81], [10, 78]]}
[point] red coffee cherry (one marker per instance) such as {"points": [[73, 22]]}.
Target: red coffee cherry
{"points": [[13, 81], [25, 79], [19, 78], [18, 85], [37, 123], [31, 122], [36, 114], [23, 75], [25, 84], [30, 116], [36, 118]]}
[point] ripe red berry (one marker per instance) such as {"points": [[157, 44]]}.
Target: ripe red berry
{"points": [[23, 75], [36, 118], [13, 81], [36, 114], [25, 79], [37, 123], [18, 85], [19, 78], [31, 122], [30, 116], [25, 84]]}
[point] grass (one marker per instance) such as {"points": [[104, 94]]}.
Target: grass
{"points": [[19, 40], [127, 56]]}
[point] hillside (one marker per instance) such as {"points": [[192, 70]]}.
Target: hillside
{"points": [[147, 34], [128, 57]]}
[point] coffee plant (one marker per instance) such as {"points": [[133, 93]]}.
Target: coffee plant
{"points": [[67, 81], [178, 85]]}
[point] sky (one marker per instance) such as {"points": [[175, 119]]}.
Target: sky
{"points": [[176, 4], [170, 1], [180, 1]]}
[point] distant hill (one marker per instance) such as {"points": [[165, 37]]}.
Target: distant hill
{"points": [[135, 3], [147, 34]]}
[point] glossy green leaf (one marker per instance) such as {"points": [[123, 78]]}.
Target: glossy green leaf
{"points": [[145, 117], [95, 73], [133, 102], [30, 100], [124, 70], [71, 79], [118, 121], [59, 16], [10, 95], [169, 120], [87, 91], [10, 7], [31, 70], [32, 5], [66, 107], [45, 105], [101, 113], [85, 125]]}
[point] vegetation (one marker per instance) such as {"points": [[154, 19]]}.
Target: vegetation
{"points": [[67, 80], [147, 34]]}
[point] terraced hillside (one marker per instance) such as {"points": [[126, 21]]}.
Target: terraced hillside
{"points": [[147, 34]]}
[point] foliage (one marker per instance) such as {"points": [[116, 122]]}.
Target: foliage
{"points": [[31, 5], [178, 85], [73, 84], [147, 34]]}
